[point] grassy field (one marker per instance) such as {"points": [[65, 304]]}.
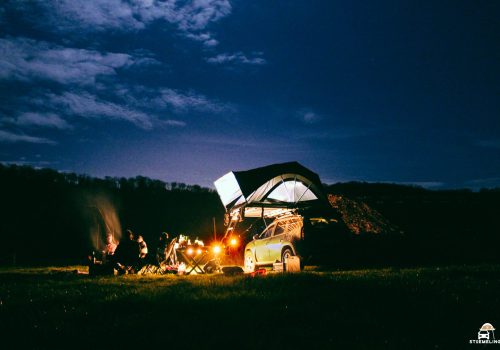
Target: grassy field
{"points": [[421, 308]]}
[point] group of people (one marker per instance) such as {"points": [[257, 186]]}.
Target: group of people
{"points": [[130, 255]]}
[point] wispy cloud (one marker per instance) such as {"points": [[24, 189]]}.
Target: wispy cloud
{"points": [[184, 102], [26, 59], [237, 58], [308, 116], [33, 163], [133, 105], [163, 99], [11, 137], [86, 105], [47, 120], [144, 107], [173, 122]]}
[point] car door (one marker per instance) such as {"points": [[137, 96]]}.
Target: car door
{"points": [[275, 244], [261, 248]]}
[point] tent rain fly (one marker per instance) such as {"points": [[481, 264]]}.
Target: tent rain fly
{"points": [[269, 191]]}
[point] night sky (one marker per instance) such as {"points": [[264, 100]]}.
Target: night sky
{"points": [[392, 91]]}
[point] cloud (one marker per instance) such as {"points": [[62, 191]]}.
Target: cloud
{"points": [[136, 104], [237, 58], [205, 38], [86, 105], [86, 95], [26, 59], [133, 15], [23, 161], [10, 137], [308, 116], [184, 102], [163, 99], [197, 14], [173, 122], [48, 120]]}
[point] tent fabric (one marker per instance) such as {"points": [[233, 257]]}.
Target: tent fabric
{"points": [[269, 186]]}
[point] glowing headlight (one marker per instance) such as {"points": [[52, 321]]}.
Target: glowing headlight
{"points": [[198, 251], [190, 251], [233, 242], [217, 249]]}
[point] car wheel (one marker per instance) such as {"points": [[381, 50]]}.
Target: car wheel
{"points": [[286, 253], [249, 261]]}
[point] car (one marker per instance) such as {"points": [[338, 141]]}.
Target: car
{"points": [[483, 335], [277, 242]]}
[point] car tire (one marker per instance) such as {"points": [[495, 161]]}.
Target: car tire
{"points": [[249, 262], [287, 252]]}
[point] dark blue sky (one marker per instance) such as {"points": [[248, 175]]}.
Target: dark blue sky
{"points": [[396, 91]]}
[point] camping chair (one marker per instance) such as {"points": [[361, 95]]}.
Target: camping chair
{"points": [[170, 254], [170, 257]]}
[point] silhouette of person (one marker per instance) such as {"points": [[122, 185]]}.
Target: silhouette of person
{"points": [[127, 253]]}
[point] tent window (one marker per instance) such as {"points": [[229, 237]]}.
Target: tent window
{"points": [[292, 191]]}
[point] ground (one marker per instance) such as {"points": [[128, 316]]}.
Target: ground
{"points": [[431, 307]]}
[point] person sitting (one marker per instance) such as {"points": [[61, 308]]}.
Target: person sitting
{"points": [[110, 247], [143, 247], [126, 255], [163, 241]]}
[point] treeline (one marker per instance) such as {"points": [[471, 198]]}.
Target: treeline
{"points": [[49, 217], [52, 217]]}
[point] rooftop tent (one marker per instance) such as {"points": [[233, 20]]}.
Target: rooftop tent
{"points": [[269, 189]]}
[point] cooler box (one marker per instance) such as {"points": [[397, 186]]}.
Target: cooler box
{"points": [[278, 267], [292, 264]]}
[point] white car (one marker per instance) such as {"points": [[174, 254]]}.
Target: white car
{"points": [[276, 243]]}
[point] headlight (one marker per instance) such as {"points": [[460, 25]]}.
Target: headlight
{"points": [[233, 242], [216, 249]]}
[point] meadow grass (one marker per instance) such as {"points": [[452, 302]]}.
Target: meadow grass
{"points": [[432, 307]]}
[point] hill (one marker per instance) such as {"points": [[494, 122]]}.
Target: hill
{"points": [[458, 226], [359, 217]]}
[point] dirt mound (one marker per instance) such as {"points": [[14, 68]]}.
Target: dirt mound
{"points": [[359, 217]]}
